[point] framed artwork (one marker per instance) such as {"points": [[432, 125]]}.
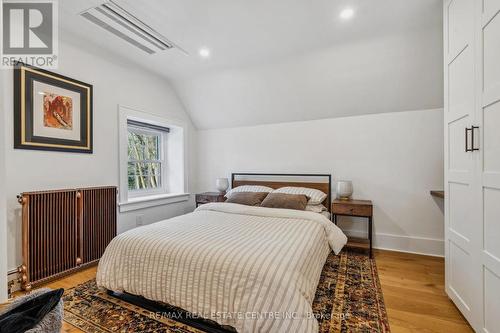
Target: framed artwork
{"points": [[51, 111]]}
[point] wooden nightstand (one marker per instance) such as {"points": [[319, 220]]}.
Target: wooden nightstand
{"points": [[356, 208], [206, 197]]}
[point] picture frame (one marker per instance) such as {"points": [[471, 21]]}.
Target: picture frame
{"points": [[52, 112]]}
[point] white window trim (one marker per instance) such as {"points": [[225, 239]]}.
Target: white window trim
{"points": [[128, 202], [152, 201]]}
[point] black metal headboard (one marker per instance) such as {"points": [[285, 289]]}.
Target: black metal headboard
{"points": [[326, 187]]}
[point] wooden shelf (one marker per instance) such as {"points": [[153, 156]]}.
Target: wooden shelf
{"points": [[438, 194]]}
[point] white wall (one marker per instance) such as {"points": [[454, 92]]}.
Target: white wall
{"points": [[115, 82], [393, 159]]}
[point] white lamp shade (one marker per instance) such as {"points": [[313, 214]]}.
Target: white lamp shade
{"points": [[222, 184], [344, 189]]}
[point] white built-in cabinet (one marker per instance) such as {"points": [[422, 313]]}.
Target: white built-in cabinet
{"points": [[472, 159]]}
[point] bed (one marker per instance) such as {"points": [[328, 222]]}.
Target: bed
{"points": [[252, 269]]}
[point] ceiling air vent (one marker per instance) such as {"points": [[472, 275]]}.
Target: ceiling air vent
{"points": [[125, 25]]}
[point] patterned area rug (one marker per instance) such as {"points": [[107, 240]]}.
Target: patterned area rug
{"points": [[348, 299]]}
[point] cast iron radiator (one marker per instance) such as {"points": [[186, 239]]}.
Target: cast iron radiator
{"points": [[64, 230]]}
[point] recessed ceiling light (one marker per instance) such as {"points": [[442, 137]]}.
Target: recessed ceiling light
{"points": [[204, 52], [347, 13]]}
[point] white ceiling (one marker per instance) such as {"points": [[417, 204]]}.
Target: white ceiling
{"points": [[286, 60]]}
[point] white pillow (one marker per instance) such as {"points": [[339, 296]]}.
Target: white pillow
{"points": [[249, 188], [315, 208], [316, 196]]}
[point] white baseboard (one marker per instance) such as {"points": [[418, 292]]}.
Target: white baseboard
{"points": [[410, 244]]}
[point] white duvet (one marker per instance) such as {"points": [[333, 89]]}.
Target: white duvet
{"points": [[255, 269]]}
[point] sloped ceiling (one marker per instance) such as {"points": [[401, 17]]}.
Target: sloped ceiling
{"points": [[286, 60]]}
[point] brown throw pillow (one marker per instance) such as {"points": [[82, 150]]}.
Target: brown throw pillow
{"points": [[247, 198], [286, 201]]}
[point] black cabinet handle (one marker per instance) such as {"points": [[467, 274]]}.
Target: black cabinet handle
{"points": [[467, 130], [473, 128]]}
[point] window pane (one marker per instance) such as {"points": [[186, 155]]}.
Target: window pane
{"points": [[143, 146], [151, 148], [144, 166], [144, 182], [133, 183], [144, 175]]}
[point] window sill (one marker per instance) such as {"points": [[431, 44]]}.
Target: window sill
{"points": [[152, 201]]}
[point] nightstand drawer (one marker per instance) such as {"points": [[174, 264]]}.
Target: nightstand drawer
{"points": [[203, 198], [345, 208]]}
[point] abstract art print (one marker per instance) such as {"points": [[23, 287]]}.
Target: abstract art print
{"points": [[51, 111], [57, 111]]}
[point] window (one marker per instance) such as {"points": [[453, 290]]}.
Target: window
{"points": [[146, 158], [152, 154]]}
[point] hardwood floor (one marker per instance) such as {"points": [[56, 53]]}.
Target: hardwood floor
{"points": [[413, 287]]}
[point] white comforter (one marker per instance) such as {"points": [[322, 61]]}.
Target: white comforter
{"points": [[252, 268]]}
